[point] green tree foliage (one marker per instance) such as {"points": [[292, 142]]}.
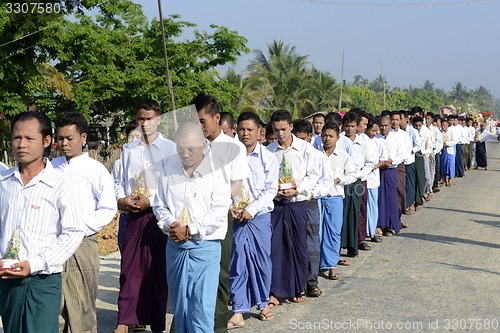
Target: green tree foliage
{"points": [[102, 64]]}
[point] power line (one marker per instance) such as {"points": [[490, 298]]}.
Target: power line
{"points": [[25, 36], [400, 4]]}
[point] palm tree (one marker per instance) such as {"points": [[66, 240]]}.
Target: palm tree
{"points": [[459, 92], [428, 86], [54, 80], [279, 77]]}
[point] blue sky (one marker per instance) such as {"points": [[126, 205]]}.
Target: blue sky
{"points": [[443, 41]]}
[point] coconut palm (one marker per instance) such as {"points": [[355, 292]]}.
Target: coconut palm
{"points": [[279, 77]]}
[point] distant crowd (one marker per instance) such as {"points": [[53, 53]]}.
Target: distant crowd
{"points": [[231, 212]]}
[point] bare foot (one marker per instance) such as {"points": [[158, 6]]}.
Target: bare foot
{"points": [[121, 329], [236, 321]]}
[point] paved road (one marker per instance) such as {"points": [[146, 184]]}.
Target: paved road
{"points": [[441, 274]]}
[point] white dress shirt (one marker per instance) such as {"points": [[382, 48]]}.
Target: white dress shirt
{"points": [[415, 144], [5, 167], [47, 215], [263, 181], [231, 154], [464, 138], [137, 158], [426, 141], [342, 167], [325, 182], [403, 146], [449, 140], [377, 146], [206, 196], [303, 162], [363, 159], [395, 147], [95, 189], [454, 135]]}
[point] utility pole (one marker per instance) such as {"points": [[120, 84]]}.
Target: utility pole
{"points": [[383, 80], [165, 57], [341, 79]]}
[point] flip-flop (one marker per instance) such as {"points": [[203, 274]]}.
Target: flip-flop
{"points": [[343, 262], [301, 298], [266, 316], [234, 325]]}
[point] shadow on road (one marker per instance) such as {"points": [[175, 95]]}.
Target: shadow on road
{"points": [[495, 224], [464, 211], [448, 240], [467, 268]]}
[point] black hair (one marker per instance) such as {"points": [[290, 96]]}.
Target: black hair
{"points": [[333, 117], [319, 115], [226, 117], [281, 115], [269, 129], [43, 120], [249, 116], [302, 126], [360, 113], [417, 119], [204, 101], [393, 113], [148, 104], [73, 118], [130, 127], [371, 121], [349, 117], [330, 126]]}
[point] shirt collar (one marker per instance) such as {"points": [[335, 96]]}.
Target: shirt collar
{"points": [[156, 142], [46, 176]]}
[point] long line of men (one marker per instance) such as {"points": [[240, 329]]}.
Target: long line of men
{"points": [[210, 219]]}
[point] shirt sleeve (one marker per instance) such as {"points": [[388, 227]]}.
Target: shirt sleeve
{"points": [[313, 172], [266, 196], [105, 206]]}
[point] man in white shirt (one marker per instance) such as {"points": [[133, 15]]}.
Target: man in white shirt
{"points": [[404, 147], [303, 130], [229, 154], [250, 269], [191, 206], [318, 121], [142, 299], [354, 227], [458, 132], [96, 191], [373, 179], [41, 226], [438, 146], [389, 217], [414, 170], [298, 176], [344, 173], [426, 149]]}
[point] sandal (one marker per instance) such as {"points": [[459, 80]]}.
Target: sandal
{"points": [[343, 262], [314, 292], [333, 275], [265, 316], [232, 325], [273, 301], [300, 298]]}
